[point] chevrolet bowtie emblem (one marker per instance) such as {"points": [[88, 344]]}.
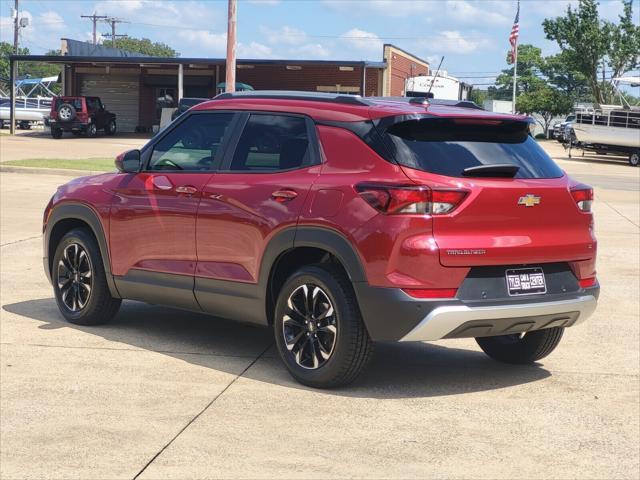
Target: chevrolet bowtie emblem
{"points": [[529, 200]]}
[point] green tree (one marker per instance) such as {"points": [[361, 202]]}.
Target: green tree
{"points": [[6, 49], [624, 52], [41, 69], [547, 102], [530, 62], [478, 96], [145, 47], [559, 73], [589, 43], [27, 69]]}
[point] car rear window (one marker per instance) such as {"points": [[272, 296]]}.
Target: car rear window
{"points": [[74, 102], [447, 147]]}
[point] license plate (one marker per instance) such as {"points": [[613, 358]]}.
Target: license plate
{"points": [[526, 281]]}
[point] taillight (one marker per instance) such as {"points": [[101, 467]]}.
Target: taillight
{"points": [[583, 196], [587, 282], [410, 199]]}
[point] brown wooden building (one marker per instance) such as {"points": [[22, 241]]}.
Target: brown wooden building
{"points": [[130, 86]]}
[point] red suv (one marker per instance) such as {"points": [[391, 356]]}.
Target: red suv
{"points": [[81, 116], [338, 221]]}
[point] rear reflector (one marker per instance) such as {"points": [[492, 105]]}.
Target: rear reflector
{"points": [[587, 282], [431, 292], [583, 196], [410, 199]]}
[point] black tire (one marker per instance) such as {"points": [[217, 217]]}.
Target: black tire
{"points": [[110, 128], [634, 158], [56, 133], [91, 130], [351, 349], [522, 349], [99, 306], [66, 112]]}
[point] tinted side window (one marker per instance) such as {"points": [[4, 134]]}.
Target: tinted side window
{"points": [[193, 144], [271, 143]]}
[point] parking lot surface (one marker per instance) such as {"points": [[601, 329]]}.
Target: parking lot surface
{"points": [[162, 393], [39, 144]]}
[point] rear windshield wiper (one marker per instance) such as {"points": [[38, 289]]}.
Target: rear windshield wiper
{"points": [[501, 170]]}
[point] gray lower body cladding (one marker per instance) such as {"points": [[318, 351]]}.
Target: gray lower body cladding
{"points": [[392, 315]]}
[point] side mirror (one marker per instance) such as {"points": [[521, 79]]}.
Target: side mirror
{"points": [[128, 162]]}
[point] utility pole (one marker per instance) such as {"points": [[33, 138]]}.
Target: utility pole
{"points": [[113, 22], [230, 80], [94, 18], [16, 27], [13, 74]]}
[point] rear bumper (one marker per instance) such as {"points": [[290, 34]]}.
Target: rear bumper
{"points": [[461, 321], [392, 315], [67, 126]]}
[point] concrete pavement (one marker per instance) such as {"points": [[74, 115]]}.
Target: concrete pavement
{"points": [[39, 144], [161, 393]]}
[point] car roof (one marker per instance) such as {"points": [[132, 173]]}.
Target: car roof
{"points": [[346, 108]]}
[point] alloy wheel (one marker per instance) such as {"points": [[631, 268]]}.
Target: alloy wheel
{"points": [[309, 326], [75, 277]]}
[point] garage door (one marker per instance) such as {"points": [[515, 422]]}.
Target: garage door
{"points": [[119, 94]]}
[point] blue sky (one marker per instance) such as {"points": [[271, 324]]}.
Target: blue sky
{"points": [[471, 34]]}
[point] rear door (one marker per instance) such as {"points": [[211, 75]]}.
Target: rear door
{"points": [[530, 218], [259, 191]]}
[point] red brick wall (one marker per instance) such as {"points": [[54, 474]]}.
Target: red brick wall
{"points": [[277, 77], [401, 67], [372, 84]]}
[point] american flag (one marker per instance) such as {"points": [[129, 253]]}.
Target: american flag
{"points": [[513, 38]]}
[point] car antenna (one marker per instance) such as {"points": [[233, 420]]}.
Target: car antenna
{"points": [[434, 78]]}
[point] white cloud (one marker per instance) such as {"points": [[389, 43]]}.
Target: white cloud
{"points": [[285, 35], [50, 20], [551, 9], [264, 2], [43, 32], [470, 12], [310, 51], [254, 50], [211, 43], [199, 15], [452, 41], [362, 40], [388, 8]]}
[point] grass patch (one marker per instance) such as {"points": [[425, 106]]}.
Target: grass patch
{"points": [[91, 164]]}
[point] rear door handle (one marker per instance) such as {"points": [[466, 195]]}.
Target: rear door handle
{"points": [[186, 189], [284, 195]]}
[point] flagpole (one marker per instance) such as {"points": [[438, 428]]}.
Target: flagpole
{"points": [[515, 33], [515, 78]]}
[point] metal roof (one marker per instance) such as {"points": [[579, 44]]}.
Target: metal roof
{"points": [[67, 59]]}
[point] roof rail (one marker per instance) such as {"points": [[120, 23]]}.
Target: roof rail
{"points": [[295, 95], [429, 101], [457, 103]]}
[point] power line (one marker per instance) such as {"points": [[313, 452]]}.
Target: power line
{"points": [[94, 19], [114, 21]]}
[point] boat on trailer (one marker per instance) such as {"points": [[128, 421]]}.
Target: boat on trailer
{"points": [[33, 101], [609, 128]]}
